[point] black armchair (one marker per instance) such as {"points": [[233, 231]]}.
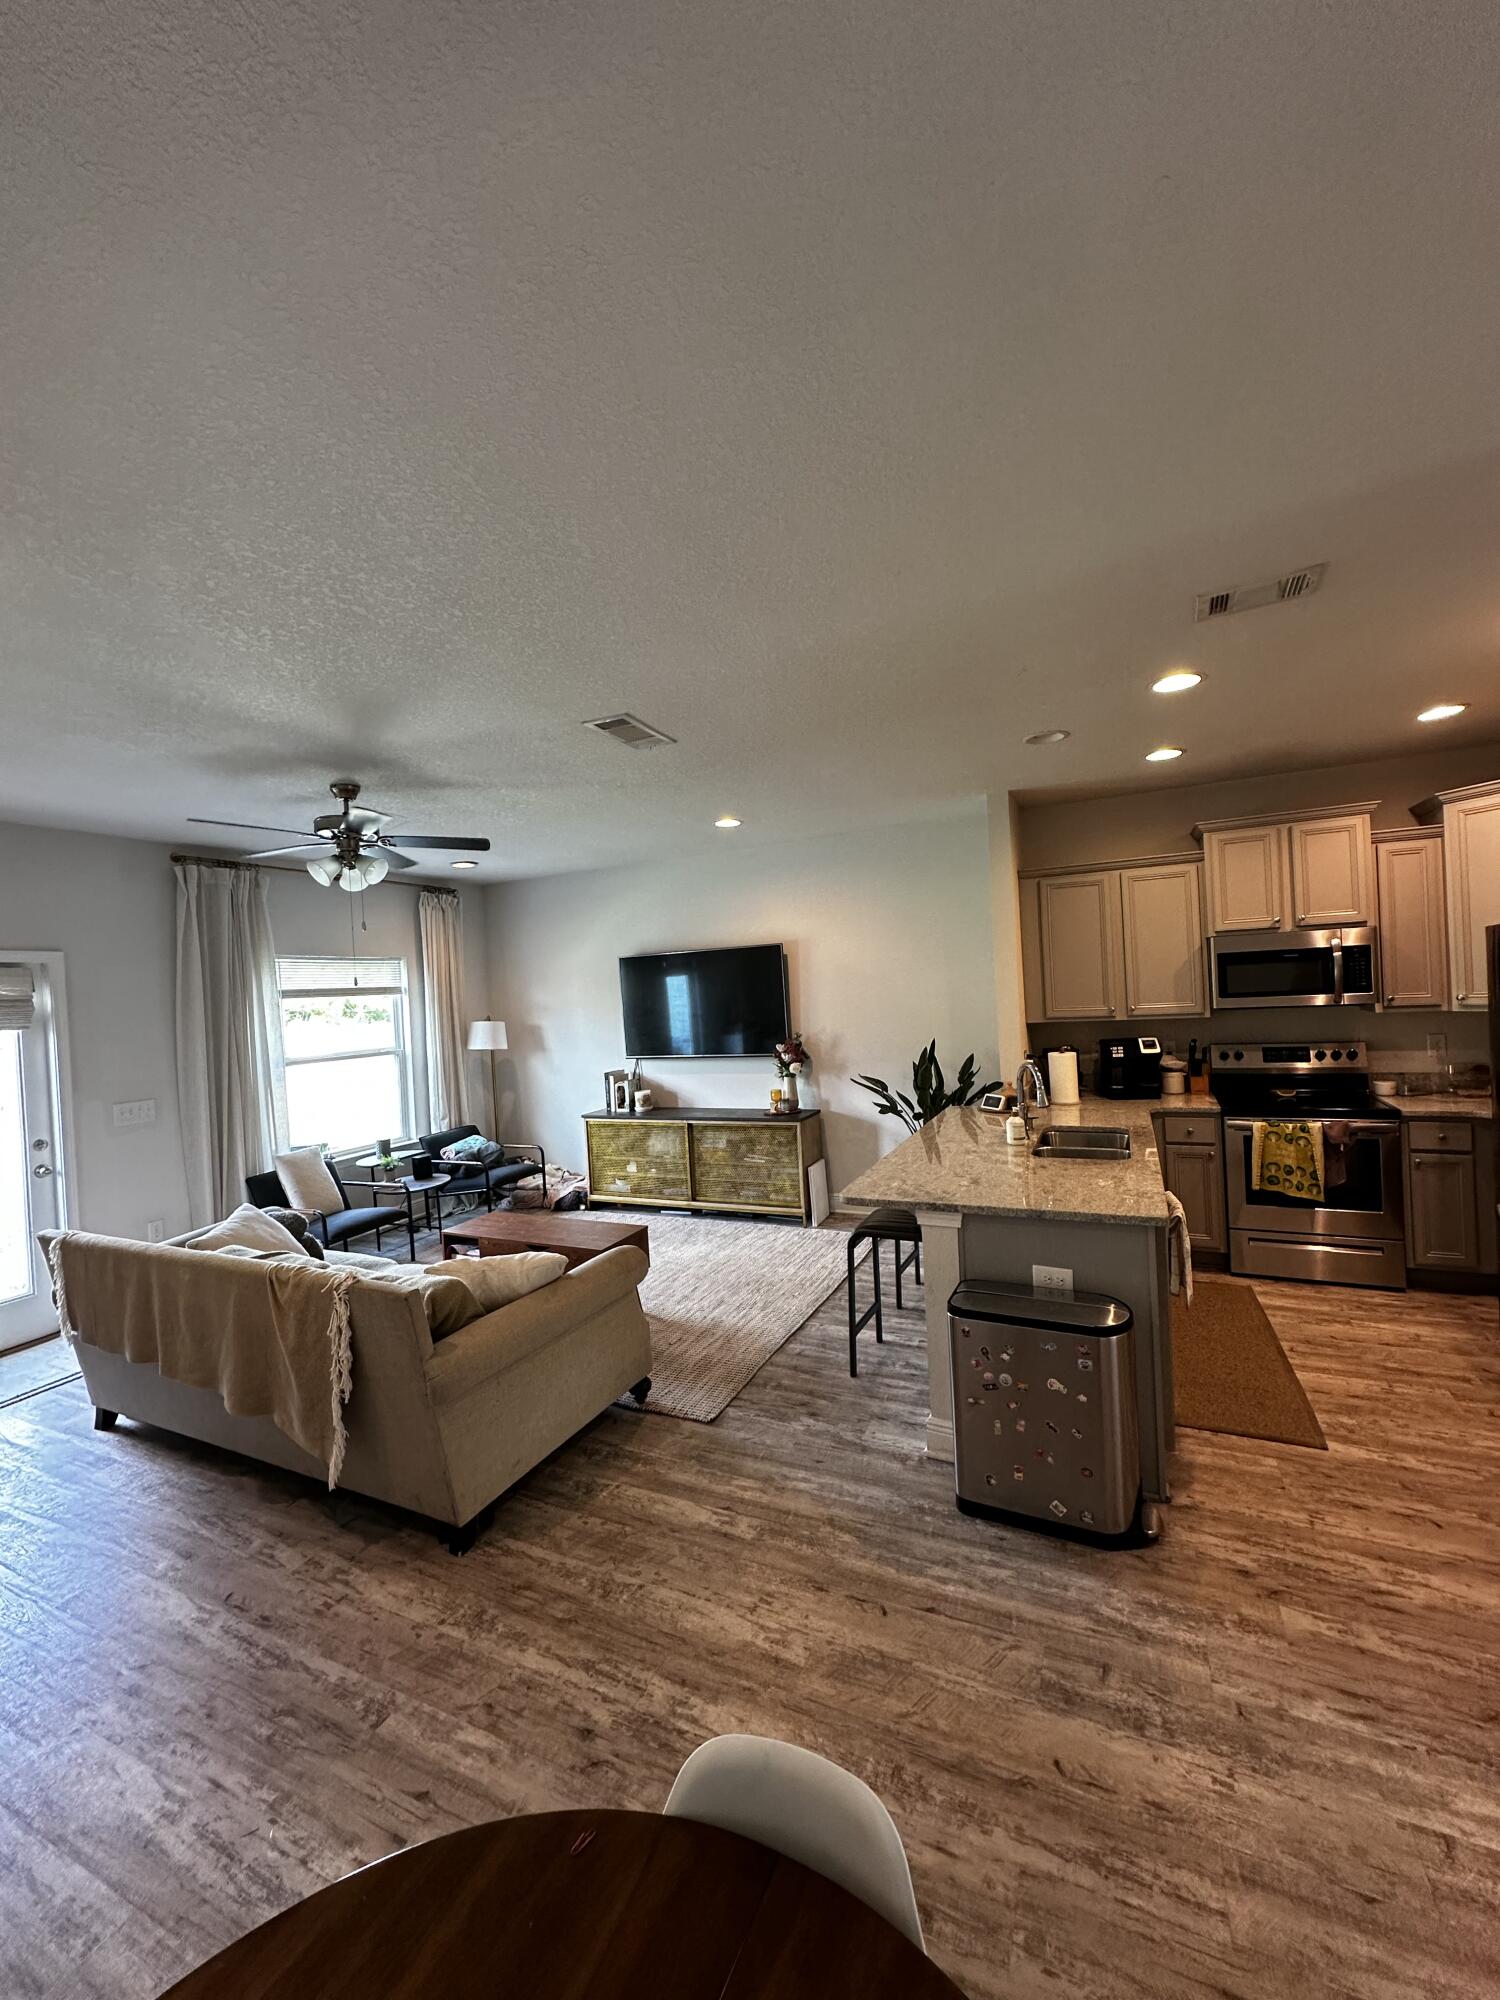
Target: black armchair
{"points": [[266, 1191], [488, 1181]]}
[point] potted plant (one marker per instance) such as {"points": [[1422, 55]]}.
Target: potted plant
{"points": [[930, 1094]]}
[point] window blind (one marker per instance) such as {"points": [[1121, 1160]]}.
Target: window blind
{"points": [[17, 996]]}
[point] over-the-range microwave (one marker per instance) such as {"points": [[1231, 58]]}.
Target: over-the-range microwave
{"points": [[1293, 968]]}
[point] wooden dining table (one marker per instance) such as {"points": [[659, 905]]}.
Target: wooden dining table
{"points": [[575, 1906]]}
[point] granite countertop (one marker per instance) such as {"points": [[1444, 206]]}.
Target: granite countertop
{"points": [[1444, 1106], [1178, 1106], [962, 1162]]}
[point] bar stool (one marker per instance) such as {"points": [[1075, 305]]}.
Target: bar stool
{"points": [[897, 1226]]}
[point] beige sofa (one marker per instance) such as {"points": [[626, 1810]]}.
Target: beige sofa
{"points": [[442, 1428]]}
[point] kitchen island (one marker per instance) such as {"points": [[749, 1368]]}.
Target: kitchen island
{"points": [[993, 1211]]}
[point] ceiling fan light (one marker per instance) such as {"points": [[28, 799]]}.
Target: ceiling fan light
{"points": [[375, 868], [324, 870]]}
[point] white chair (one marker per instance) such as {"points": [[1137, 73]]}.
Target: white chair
{"points": [[807, 1808]]}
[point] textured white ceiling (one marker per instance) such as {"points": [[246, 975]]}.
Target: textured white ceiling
{"points": [[849, 389]]}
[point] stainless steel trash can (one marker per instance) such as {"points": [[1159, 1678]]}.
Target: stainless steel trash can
{"points": [[1044, 1409]]}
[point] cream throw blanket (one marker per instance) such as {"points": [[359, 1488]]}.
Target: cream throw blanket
{"points": [[270, 1338]]}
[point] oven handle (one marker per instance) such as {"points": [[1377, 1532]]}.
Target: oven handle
{"points": [[1379, 1126], [1336, 946]]}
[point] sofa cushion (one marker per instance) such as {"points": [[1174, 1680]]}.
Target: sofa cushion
{"points": [[500, 1281], [447, 1304], [248, 1228], [305, 1177], [473, 1152]]}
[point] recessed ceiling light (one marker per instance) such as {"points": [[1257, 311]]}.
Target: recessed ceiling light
{"points": [[1442, 711], [463, 864], [1050, 736], [726, 820], [1162, 756], [1176, 682]]}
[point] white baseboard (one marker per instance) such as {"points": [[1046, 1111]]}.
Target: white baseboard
{"points": [[940, 1439]]}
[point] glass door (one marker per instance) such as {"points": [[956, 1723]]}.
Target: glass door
{"points": [[31, 1179]]}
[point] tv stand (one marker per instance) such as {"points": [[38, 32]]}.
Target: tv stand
{"points": [[677, 1156]]}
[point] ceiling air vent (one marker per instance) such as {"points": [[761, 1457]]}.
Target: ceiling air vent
{"points": [[631, 731], [1251, 596]]}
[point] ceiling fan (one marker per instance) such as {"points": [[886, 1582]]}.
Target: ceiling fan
{"points": [[352, 846]]}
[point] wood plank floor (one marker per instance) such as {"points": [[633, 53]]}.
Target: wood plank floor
{"points": [[1259, 1759]]}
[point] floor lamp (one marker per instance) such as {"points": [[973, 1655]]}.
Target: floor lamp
{"points": [[490, 1035]]}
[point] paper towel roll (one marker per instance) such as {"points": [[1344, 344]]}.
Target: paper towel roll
{"points": [[1062, 1076]]}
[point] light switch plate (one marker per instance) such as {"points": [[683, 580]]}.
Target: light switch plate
{"points": [[141, 1112], [156, 1230]]}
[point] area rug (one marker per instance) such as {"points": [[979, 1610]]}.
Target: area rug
{"points": [[1232, 1373], [722, 1295]]}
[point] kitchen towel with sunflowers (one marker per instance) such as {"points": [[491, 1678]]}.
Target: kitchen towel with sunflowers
{"points": [[1286, 1157]]}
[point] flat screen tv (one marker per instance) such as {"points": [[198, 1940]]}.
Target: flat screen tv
{"points": [[705, 1003]]}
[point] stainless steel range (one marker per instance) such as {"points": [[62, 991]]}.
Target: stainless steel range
{"points": [[1355, 1235]]}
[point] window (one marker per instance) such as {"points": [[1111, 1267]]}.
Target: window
{"points": [[343, 1035]]}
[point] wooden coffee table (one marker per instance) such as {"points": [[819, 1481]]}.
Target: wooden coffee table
{"points": [[507, 1231]]}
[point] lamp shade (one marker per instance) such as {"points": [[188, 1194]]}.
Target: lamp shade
{"points": [[487, 1034]]}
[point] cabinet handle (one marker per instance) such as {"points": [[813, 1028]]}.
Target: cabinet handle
{"points": [[1416, 1162], [1463, 996], [1390, 999]]}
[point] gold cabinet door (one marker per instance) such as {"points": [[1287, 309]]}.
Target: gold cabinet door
{"points": [[645, 1158], [747, 1166]]}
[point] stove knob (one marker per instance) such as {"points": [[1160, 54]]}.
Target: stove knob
{"points": [[1352, 1054], [1223, 1055], [1338, 1055], [1239, 1055], [1320, 1054]]}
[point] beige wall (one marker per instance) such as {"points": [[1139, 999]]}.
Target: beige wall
{"points": [[1061, 832], [888, 941]]}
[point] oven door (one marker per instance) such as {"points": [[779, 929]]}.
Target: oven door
{"points": [[1276, 969], [1361, 1184]]}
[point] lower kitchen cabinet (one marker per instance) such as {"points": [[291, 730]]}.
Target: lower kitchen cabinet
{"points": [[1192, 1165], [1442, 1197]]}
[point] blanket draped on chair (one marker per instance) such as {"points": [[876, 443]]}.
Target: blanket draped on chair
{"points": [[270, 1337]]}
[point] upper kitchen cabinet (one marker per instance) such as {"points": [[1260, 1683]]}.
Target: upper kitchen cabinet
{"points": [[1112, 944], [1275, 874], [1331, 872], [1245, 872], [1470, 820], [1413, 935], [1162, 927], [1078, 918]]}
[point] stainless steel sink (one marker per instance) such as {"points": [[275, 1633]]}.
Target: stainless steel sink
{"points": [[1084, 1142]]}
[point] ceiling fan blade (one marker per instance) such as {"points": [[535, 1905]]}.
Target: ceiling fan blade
{"points": [[250, 826], [398, 860], [432, 840], [302, 847]]}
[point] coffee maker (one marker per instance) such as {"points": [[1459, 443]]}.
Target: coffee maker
{"points": [[1129, 1066]]}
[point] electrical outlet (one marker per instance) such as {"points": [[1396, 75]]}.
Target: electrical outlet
{"points": [[1052, 1278], [1437, 1045], [141, 1112], [156, 1230]]}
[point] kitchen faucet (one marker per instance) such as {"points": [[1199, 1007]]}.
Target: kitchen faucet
{"points": [[1031, 1069]]}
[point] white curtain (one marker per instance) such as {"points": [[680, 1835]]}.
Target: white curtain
{"points": [[229, 1076], [441, 917]]}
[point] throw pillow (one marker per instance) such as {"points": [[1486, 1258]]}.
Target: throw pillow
{"points": [[500, 1281], [306, 1181], [448, 1306], [249, 1228], [475, 1152]]}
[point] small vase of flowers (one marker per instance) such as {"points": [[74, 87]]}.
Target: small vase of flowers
{"points": [[791, 1059]]}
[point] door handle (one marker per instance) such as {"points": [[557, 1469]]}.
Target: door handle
{"points": [[42, 1173]]}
